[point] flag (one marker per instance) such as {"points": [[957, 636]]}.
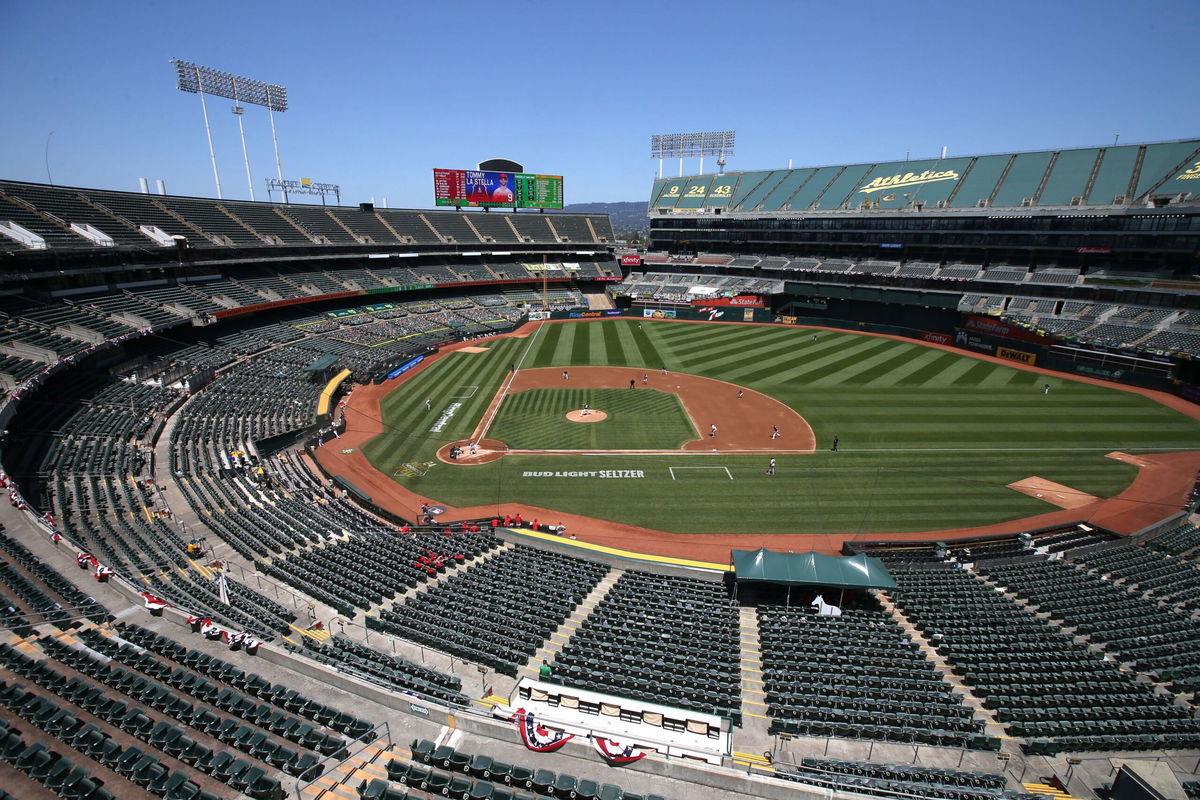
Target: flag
{"points": [[223, 589], [537, 737], [210, 630], [154, 602], [616, 753]]}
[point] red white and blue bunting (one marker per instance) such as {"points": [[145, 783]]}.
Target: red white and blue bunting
{"points": [[616, 753], [538, 738]]}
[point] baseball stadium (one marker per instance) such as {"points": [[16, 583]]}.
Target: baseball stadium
{"points": [[872, 479]]}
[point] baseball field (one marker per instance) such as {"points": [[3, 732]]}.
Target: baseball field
{"points": [[927, 438]]}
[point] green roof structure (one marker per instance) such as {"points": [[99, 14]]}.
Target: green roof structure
{"points": [[811, 569]]}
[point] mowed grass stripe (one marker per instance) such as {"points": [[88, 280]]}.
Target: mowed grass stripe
{"points": [[835, 363], [865, 365], [787, 358], [581, 346], [659, 335], [765, 360], [709, 350], [622, 336], [973, 376], [925, 362], [871, 366], [952, 372], [648, 353], [998, 377], [541, 351], [564, 343], [597, 347]]}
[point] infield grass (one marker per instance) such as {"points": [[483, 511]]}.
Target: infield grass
{"points": [[928, 438], [643, 420]]}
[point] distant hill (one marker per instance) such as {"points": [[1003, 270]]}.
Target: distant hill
{"points": [[626, 217]]}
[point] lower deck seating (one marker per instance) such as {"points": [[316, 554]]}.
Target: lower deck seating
{"points": [[499, 612], [439, 769], [1035, 679], [857, 676]]}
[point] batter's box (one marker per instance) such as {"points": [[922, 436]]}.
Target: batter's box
{"points": [[683, 471], [471, 390]]}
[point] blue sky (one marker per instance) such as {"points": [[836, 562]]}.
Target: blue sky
{"points": [[381, 93]]}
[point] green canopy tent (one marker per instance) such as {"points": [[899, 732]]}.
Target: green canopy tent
{"points": [[322, 363], [810, 569]]}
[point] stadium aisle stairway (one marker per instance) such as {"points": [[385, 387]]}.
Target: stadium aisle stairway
{"points": [[559, 638], [755, 723], [1047, 790]]}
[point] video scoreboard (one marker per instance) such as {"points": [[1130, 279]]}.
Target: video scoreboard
{"points": [[479, 188]]}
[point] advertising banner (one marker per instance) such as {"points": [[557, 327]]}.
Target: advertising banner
{"points": [[936, 338], [742, 301], [1016, 355], [971, 341], [631, 261], [1000, 328]]}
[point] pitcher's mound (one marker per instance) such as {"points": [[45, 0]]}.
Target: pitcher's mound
{"points": [[591, 415]]}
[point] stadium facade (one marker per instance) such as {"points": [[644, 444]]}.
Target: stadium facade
{"points": [[1129, 208]]}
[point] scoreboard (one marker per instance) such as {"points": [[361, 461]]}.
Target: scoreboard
{"points": [[479, 188]]}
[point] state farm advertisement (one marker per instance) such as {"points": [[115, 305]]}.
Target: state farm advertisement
{"points": [[741, 301], [1000, 328]]}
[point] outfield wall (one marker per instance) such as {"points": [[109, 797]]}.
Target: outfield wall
{"points": [[695, 313], [994, 337]]}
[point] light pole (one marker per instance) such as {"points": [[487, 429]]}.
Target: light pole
{"points": [[200, 80]]}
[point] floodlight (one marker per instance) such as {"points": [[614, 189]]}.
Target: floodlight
{"points": [[681, 145], [196, 79]]}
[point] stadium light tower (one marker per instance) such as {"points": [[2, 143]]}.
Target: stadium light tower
{"points": [[196, 79], [680, 145]]}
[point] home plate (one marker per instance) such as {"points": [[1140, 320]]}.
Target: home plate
{"points": [[1053, 493]]}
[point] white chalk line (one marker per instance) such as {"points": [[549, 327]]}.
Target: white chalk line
{"points": [[481, 432]]}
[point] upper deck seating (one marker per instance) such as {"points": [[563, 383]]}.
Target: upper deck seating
{"points": [[319, 223]]}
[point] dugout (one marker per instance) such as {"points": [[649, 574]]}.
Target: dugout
{"points": [[766, 575]]}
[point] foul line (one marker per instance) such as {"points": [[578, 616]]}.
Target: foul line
{"points": [[474, 390], [482, 430], [781, 452], [672, 471]]}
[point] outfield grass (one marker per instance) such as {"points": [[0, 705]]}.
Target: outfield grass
{"points": [[644, 420], [928, 438]]}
